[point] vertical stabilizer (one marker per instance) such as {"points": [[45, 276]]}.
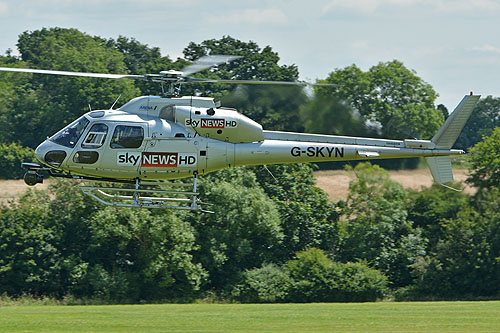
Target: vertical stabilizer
{"points": [[449, 132], [447, 135], [440, 168]]}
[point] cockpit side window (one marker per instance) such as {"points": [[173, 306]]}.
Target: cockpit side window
{"points": [[127, 137], [96, 136], [69, 135]]}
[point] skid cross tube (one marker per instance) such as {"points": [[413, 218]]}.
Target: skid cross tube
{"points": [[111, 195]]}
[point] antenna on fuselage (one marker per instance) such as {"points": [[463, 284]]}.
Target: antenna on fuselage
{"points": [[111, 108], [265, 167]]}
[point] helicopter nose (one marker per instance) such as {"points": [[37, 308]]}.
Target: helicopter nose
{"points": [[40, 151], [50, 153]]}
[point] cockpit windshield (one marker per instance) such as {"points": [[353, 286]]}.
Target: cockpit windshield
{"points": [[69, 135]]}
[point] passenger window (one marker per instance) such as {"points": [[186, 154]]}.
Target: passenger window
{"points": [[127, 137], [86, 157], [96, 136]]}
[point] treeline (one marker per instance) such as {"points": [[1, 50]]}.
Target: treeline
{"points": [[268, 241], [272, 238], [388, 100]]}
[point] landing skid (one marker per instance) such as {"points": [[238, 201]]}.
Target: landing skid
{"points": [[128, 197], [140, 197]]}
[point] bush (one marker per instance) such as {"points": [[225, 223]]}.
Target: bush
{"points": [[11, 157], [356, 282], [318, 279], [268, 284]]}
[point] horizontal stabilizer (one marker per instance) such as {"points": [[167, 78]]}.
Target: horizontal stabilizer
{"points": [[440, 168], [449, 132]]}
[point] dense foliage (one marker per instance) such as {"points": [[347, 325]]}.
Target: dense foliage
{"points": [[482, 122], [421, 244], [274, 236], [11, 157], [485, 161]]}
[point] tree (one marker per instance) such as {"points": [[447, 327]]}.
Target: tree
{"points": [[482, 122], [376, 227], [244, 231], [275, 107], [308, 217], [255, 62], [13, 89], [388, 101], [389, 94], [465, 261], [330, 115], [58, 243], [29, 259], [142, 59], [11, 157], [140, 256], [46, 103], [484, 158], [430, 208]]}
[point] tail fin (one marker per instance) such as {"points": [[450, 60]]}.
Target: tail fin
{"points": [[440, 168], [449, 132], [447, 135]]}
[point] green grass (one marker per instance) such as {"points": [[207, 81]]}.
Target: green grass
{"points": [[383, 316]]}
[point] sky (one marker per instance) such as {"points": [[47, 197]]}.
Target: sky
{"points": [[452, 44]]}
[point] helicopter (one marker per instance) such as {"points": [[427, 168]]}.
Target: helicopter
{"points": [[152, 139]]}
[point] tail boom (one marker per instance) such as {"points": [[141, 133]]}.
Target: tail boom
{"points": [[276, 151], [287, 147]]}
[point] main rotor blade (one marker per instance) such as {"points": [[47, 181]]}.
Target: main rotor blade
{"points": [[295, 83], [181, 77], [207, 62], [43, 71]]}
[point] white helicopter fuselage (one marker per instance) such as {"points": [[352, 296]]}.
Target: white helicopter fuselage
{"points": [[150, 139], [166, 138]]}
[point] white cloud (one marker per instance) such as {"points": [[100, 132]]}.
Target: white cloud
{"points": [[164, 3], [438, 6], [4, 8], [361, 44], [487, 48], [465, 6], [366, 6], [363, 6], [271, 16]]}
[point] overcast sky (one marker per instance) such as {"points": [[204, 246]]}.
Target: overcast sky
{"points": [[452, 44]]}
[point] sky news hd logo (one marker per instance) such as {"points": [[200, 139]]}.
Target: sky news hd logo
{"points": [[211, 123], [157, 159]]}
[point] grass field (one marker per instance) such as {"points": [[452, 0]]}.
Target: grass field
{"points": [[359, 317]]}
